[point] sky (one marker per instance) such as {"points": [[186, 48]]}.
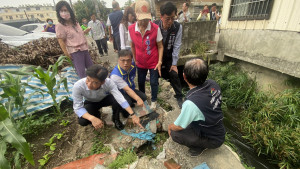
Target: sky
{"points": [[16, 3]]}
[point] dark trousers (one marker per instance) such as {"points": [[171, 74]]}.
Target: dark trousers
{"points": [[101, 44], [93, 108], [117, 41], [173, 78], [142, 73], [131, 100], [189, 138]]}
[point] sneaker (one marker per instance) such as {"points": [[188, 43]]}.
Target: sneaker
{"points": [[179, 101], [195, 153], [153, 105]]}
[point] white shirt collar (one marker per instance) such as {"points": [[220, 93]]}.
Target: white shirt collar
{"points": [[137, 29]]}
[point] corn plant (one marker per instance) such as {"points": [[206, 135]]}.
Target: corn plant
{"points": [[48, 79], [14, 91], [9, 134]]}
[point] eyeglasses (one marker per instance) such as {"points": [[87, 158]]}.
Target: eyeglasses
{"points": [[123, 60], [169, 19]]}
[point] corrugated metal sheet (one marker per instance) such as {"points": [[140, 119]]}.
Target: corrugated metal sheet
{"points": [[285, 16]]}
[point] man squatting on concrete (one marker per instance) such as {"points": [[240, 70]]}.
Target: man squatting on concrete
{"points": [[200, 123], [99, 91], [172, 33], [123, 75]]}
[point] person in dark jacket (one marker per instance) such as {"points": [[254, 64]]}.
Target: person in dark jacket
{"points": [[172, 33], [200, 123]]}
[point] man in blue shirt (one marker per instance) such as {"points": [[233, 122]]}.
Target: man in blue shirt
{"points": [[172, 33], [200, 123], [123, 75], [95, 91]]}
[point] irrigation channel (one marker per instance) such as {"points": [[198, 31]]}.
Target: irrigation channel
{"points": [[246, 152]]}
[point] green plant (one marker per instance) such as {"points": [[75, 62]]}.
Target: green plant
{"points": [[43, 161], [98, 143], [164, 104], [49, 80], [64, 123], [9, 134], [270, 122], [126, 157], [14, 91]]}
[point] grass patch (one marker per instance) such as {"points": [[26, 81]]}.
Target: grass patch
{"points": [[270, 122], [147, 149], [125, 157], [99, 141], [164, 104]]}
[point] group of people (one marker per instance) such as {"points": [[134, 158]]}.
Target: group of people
{"points": [[143, 46]]}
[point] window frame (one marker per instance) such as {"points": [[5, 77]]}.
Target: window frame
{"points": [[255, 16]]}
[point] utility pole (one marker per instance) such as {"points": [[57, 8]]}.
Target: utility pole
{"points": [[26, 15], [54, 3]]}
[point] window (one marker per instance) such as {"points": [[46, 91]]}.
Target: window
{"points": [[38, 8], [17, 10], [17, 16], [47, 8], [6, 10], [250, 9], [32, 16], [27, 9], [1, 19], [10, 17], [41, 15]]}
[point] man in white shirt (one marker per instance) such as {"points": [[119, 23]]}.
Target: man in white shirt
{"points": [[95, 91], [98, 34], [184, 15]]}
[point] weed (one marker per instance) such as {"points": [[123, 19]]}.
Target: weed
{"points": [[64, 123], [43, 161], [269, 121], [125, 157], [99, 141], [164, 104]]}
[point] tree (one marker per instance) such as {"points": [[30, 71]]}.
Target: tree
{"points": [[128, 3], [85, 8]]}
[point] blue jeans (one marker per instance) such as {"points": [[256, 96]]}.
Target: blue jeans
{"points": [[142, 73]]}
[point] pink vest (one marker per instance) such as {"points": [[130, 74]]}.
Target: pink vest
{"points": [[146, 52]]}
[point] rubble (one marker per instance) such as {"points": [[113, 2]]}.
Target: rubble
{"points": [[41, 52]]}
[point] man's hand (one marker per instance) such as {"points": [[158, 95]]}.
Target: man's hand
{"points": [[97, 123], [140, 102], [158, 67], [136, 120], [174, 68]]}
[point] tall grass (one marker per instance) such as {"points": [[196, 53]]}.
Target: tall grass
{"points": [[271, 122]]}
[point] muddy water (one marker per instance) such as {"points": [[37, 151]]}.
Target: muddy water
{"points": [[247, 153]]}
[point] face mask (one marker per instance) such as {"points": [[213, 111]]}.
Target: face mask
{"points": [[85, 23], [65, 15], [50, 23]]}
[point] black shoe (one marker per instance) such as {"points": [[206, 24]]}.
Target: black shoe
{"points": [[196, 152], [119, 125], [179, 101]]}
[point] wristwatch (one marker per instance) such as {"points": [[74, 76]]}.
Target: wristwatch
{"points": [[132, 114]]}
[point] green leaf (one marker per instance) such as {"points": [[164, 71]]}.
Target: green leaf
{"points": [[52, 147], [10, 135], [3, 113], [4, 164]]}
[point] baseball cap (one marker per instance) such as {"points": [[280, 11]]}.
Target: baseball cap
{"points": [[142, 10]]}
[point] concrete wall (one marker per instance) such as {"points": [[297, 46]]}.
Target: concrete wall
{"points": [[197, 31], [276, 50]]}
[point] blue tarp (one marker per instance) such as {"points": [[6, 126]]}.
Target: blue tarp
{"points": [[37, 101]]}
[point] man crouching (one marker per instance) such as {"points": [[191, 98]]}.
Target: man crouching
{"points": [[200, 123], [96, 91]]}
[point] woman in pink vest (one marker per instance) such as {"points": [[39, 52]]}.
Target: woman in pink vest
{"points": [[147, 48]]}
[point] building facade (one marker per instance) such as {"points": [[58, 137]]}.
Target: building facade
{"points": [[264, 34], [195, 6], [27, 13]]}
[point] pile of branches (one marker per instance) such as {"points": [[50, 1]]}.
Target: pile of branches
{"points": [[41, 52]]}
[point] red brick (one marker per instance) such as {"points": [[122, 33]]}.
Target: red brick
{"points": [[171, 164]]}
